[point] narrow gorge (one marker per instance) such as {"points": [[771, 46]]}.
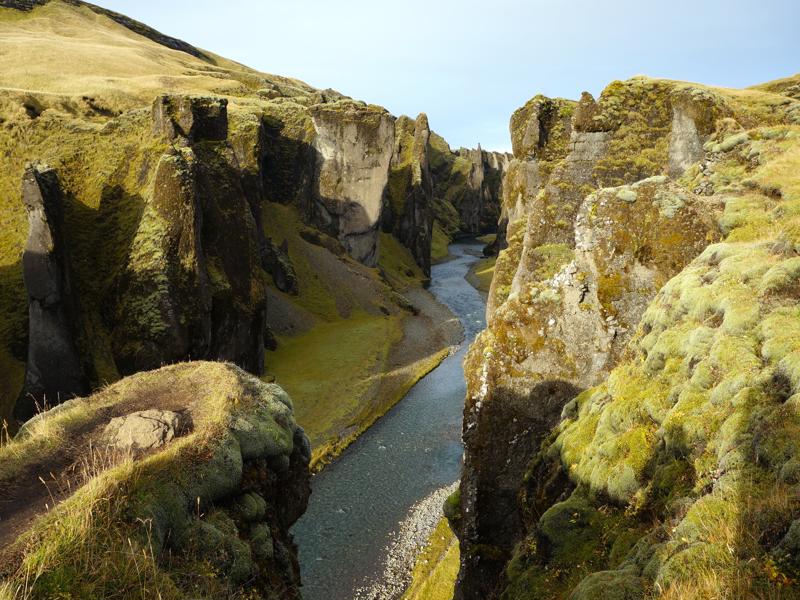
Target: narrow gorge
{"points": [[260, 340]]}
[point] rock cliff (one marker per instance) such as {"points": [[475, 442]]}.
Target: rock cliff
{"points": [[409, 210], [468, 187], [54, 369], [617, 401], [203, 210], [355, 145], [181, 482]]}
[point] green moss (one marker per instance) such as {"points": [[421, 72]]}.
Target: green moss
{"points": [[610, 585], [440, 242], [436, 568], [481, 273], [550, 258], [282, 222], [330, 387]]}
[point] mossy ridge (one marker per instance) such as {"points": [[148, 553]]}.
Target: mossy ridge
{"points": [[703, 375], [643, 461], [116, 532]]}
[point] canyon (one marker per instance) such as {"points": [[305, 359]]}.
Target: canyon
{"points": [[242, 350]]}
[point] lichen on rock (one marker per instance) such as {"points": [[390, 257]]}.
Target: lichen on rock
{"points": [[649, 266]]}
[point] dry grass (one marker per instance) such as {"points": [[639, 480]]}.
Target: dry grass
{"points": [[89, 543], [107, 61]]}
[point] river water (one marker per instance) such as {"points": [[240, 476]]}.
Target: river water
{"points": [[358, 501]]}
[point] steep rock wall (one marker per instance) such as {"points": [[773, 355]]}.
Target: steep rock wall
{"points": [[355, 145], [467, 188], [408, 212], [594, 230]]}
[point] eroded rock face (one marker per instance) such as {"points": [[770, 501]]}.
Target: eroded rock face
{"points": [[354, 145], [194, 284], [685, 145], [409, 212], [479, 203], [54, 371], [582, 261]]}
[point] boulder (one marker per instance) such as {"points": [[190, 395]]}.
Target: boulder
{"points": [[143, 430]]}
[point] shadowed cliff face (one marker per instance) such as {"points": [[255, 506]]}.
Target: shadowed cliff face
{"points": [[54, 371], [467, 187], [612, 210], [408, 206]]}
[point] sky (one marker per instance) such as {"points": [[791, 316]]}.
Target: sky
{"points": [[468, 65]]}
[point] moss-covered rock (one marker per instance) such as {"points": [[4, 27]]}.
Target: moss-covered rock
{"points": [[201, 514], [688, 281]]}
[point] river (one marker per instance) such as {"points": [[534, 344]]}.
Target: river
{"points": [[359, 501]]}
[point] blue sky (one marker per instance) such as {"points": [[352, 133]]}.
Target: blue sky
{"points": [[470, 64]]}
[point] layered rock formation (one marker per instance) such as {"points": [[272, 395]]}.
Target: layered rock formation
{"points": [[201, 487], [627, 223]]}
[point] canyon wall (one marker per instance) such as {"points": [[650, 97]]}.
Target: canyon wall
{"points": [[618, 399]]}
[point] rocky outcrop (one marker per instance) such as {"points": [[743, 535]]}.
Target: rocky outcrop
{"points": [[54, 370], [278, 264], [190, 119], [204, 487], [193, 286], [354, 143], [408, 212], [467, 187], [597, 235]]}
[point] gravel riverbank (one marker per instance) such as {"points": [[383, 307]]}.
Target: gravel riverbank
{"points": [[407, 541]]}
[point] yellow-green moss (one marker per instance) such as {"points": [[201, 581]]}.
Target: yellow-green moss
{"points": [[436, 568], [440, 243], [397, 264]]}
